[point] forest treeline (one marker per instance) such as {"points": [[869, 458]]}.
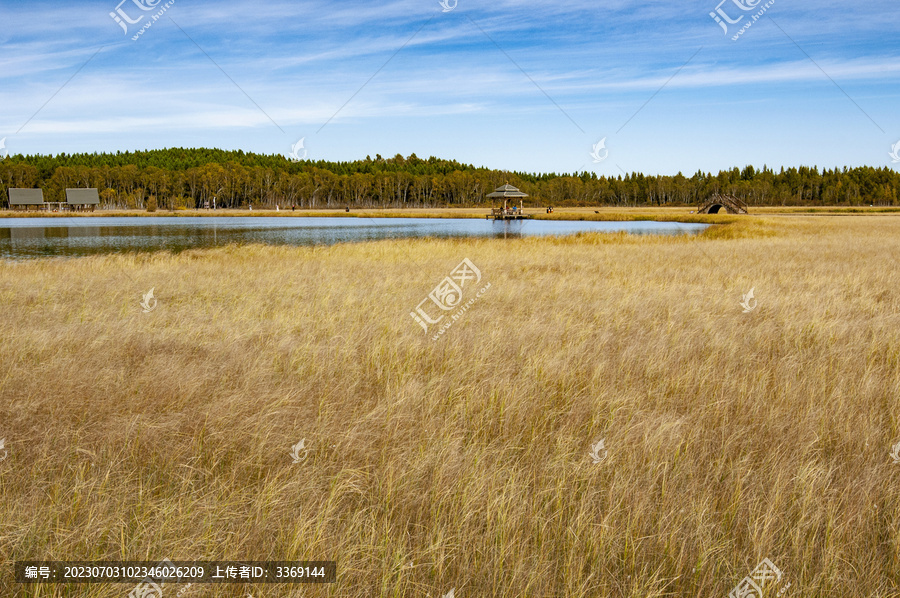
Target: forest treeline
{"points": [[186, 178]]}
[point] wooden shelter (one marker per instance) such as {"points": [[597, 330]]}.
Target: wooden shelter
{"points": [[717, 202], [507, 212], [25, 198], [82, 199]]}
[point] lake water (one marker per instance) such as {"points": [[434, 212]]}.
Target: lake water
{"points": [[42, 237]]}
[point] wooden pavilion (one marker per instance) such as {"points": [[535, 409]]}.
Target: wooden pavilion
{"points": [[82, 199], [25, 198], [507, 212]]}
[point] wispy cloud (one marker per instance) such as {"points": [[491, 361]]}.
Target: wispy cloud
{"points": [[300, 62]]}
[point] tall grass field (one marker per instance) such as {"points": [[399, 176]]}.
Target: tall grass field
{"points": [[733, 429]]}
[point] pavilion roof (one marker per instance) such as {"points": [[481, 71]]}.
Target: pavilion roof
{"points": [[507, 191], [83, 197], [26, 197]]}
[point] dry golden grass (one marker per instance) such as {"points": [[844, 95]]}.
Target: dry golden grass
{"points": [[463, 462]]}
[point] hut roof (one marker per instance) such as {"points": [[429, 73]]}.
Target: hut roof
{"points": [[26, 197], [82, 197], [507, 191]]}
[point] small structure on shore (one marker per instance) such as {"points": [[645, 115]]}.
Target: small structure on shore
{"points": [[507, 192], [717, 202], [82, 199], [25, 198]]}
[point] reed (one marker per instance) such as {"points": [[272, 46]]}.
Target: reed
{"points": [[463, 462]]}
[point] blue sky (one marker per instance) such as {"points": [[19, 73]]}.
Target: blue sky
{"points": [[528, 86]]}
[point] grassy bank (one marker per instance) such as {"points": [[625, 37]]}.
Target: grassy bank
{"points": [[463, 462]]}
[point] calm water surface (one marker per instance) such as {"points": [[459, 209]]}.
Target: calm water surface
{"points": [[22, 238]]}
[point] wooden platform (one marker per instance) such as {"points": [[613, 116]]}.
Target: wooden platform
{"points": [[507, 214]]}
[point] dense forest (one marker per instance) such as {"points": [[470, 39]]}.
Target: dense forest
{"points": [[186, 178]]}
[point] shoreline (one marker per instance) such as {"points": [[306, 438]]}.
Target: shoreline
{"points": [[663, 214]]}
